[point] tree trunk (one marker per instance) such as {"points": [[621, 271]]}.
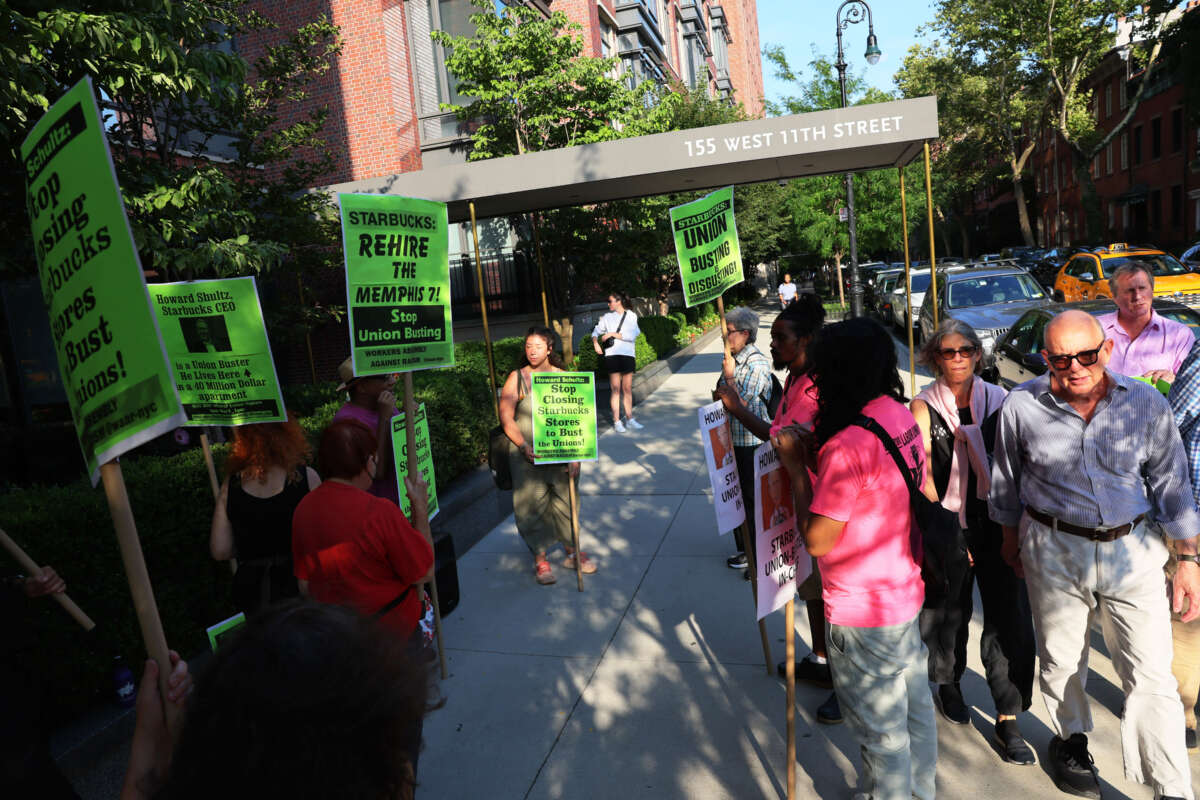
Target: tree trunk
{"points": [[566, 334], [1088, 197], [1022, 210]]}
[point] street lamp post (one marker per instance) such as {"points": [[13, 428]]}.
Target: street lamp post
{"points": [[853, 12]]}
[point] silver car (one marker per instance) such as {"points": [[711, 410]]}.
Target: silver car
{"points": [[989, 299]]}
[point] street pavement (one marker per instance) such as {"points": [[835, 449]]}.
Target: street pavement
{"points": [[651, 682]]}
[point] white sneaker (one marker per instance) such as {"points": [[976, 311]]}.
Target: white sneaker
{"points": [[633, 424], [618, 427]]}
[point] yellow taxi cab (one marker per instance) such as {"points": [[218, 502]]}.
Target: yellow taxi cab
{"points": [[1085, 275]]}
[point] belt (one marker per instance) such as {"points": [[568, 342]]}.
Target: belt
{"points": [[1094, 534]]}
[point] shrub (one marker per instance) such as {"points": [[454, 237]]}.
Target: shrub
{"points": [[660, 333], [643, 353], [679, 318]]}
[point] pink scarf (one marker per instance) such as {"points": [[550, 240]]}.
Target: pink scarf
{"points": [[969, 446]]}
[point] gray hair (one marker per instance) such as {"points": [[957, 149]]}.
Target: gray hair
{"points": [[928, 354], [743, 318], [1129, 266]]}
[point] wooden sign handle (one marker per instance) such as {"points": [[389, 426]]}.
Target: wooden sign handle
{"points": [[139, 585], [30, 566], [575, 527], [410, 437]]}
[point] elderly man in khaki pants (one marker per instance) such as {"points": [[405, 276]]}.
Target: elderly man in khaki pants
{"points": [[1083, 455]]}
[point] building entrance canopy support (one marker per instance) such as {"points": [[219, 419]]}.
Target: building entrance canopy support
{"points": [[854, 139]]}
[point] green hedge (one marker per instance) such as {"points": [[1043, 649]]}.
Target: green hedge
{"points": [[660, 333]]}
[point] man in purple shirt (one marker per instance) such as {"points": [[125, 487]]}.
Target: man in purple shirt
{"points": [[1145, 344], [373, 404]]}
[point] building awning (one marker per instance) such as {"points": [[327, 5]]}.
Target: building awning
{"points": [[855, 139]]}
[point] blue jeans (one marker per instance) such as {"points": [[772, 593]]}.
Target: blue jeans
{"points": [[881, 679]]}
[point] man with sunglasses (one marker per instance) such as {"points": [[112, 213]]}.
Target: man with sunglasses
{"points": [[1083, 456]]}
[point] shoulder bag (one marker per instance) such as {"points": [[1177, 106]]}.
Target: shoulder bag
{"points": [[609, 342], [499, 446], [938, 528]]}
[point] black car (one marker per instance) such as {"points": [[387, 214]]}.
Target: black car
{"points": [[1017, 357], [1047, 267], [1025, 257]]}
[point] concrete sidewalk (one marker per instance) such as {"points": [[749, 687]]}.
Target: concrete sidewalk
{"points": [[651, 683]]}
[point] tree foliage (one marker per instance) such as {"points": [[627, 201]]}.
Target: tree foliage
{"points": [[213, 178]]}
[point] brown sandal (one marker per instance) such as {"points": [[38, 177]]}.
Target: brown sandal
{"points": [[543, 573], [587, 566]]}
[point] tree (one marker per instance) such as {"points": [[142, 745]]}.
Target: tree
{"points": [[212, 178], [1063, 41], [990, 108]]}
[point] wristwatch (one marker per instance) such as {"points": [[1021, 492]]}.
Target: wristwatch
{"points": [[1192, 557]]}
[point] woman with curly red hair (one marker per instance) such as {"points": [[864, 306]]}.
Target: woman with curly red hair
{"points": [[268, 477]]}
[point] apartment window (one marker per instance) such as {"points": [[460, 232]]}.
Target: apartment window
{"points": [[1108, 100], [681, 52], [1108, 159], [1112, 216], [1124, 151], [433, 82], [1176, 130], [1124, 94], [1137, 144], [1124, 219], [1177, 206], [1155, 209], [1156, 137]]}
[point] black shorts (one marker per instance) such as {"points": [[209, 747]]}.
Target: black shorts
{"points": [[620, 365]]}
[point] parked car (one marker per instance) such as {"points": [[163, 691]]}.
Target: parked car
{"points": [[1047, 267], [881, 297], [1024, 257], [1085, 275], [988, 258], [1191, 258], [1017, 357], [902, 313], [989, 299]]}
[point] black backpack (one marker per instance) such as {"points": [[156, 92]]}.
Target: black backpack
{"points": [[774, 399]]}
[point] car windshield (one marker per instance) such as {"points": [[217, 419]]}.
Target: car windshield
{"points": [[920, 282], [1159, 263], [1183, 315], [989, 289]]}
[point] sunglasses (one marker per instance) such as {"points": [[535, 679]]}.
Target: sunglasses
{"points": [[966, 351], [1085, 358]]}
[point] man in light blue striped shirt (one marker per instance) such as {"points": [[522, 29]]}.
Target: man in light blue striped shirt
{"points": [[1083, 457]]}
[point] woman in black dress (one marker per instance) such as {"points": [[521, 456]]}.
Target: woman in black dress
{"points": [[252, 522]]}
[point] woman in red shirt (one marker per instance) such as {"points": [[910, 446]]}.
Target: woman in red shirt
{"points": [[354, 549]]}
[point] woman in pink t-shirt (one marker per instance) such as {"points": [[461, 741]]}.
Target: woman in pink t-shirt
{"points": [[861, 529]]}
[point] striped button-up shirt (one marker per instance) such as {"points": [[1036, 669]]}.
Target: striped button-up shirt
{"points": [[752, 379], [1185, 405], [1128, 460]]}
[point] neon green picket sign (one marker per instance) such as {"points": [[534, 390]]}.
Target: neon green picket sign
{"points": [[397, 283], [706, 242], [109, 349], [424, 459], [564, 417], [218, 349]]}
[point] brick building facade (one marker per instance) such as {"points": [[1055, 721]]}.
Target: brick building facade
{"points": [[1148, 176], [384, 92]]}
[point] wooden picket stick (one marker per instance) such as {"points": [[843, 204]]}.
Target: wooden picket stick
{"points": [[410, 436], [789, 618], [575, 527], [212, 467], [752, 552], [139, 584], [762, 624], [30, 566]]}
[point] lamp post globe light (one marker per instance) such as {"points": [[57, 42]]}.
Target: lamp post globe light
{"points": [[848, 12]]}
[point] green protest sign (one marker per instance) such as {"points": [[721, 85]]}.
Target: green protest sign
{"points": [[424, 459], [109, 350], [218, 350], [397, 283], [218, 634], [706, 243], [564, 416]]}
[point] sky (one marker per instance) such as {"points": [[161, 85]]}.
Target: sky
{"points": [[797, 25]]}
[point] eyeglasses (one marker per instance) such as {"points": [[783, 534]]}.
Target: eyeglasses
{"points": [[1085, 357], [966, 351]]}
